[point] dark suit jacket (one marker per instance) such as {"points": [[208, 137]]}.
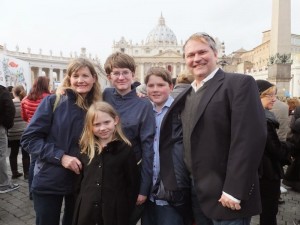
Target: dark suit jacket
{"points": [[227, 143]]}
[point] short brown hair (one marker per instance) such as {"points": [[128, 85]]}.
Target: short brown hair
{"points": [[119, 60], [160, 72]]}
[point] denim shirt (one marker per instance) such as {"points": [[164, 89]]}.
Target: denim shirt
{"points": [[156, 164]]}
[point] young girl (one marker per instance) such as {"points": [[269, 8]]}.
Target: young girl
{"points": [[109, 176]]}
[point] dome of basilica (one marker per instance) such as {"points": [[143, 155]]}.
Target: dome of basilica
{"points": [[161, 35]]}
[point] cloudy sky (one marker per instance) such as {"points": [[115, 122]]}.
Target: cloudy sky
{"points": [[69, 25]]}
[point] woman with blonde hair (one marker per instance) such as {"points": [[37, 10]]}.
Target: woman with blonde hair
{"points": [[276, 155], [53, 137], [183, 81], [109, 176]]}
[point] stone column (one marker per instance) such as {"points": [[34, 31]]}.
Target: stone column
{"points": [[142, 76], [174, 70], [279, 71], [51, 78], [40, 71], [61, 75]]}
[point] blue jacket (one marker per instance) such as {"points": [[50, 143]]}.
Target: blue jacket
{"points": [[138, 124], [49, 136]]}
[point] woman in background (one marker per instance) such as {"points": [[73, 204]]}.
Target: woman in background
{"points": [[276, 155], [14, 136]]}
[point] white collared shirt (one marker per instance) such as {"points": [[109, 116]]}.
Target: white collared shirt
{"points": [[210, 76]]}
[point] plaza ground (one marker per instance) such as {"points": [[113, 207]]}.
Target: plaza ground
{"points": [[17, 209]]}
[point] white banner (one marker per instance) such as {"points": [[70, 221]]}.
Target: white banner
{"points": [[14, 72]]}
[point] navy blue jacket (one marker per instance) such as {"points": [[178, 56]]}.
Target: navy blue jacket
{"points": [[49, 136], [138, 124]]}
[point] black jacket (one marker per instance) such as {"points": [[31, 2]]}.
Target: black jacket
{"points": [[276, 154], [7, 108], [227, 143], [109, 187]]}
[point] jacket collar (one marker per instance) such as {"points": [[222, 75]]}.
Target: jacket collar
{"points": [[214, 84]]}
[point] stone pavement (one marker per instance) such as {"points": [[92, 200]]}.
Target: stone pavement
{"points": [[17, 209]]}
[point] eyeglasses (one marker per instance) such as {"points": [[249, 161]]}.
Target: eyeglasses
{"points": [[271, 96], [124, 73]]}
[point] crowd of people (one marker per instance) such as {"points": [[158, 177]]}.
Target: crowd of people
{"points": [[208, 149]]}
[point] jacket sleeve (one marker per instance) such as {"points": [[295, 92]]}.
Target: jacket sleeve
{"points": [[23, 111], [248, 138], [132, 178], [147, 131], [276, 149], [9, 110], [35, 139]]}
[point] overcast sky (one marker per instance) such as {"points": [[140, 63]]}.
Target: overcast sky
{"points": [[68, 25]]}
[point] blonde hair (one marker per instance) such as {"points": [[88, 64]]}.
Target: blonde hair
{"points": [[89, 143], [93, 95], [184, 77], [268, 91], [293, 103]]}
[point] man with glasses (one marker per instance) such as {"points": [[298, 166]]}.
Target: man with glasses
{"points": [[137, 119], [224, 134]]}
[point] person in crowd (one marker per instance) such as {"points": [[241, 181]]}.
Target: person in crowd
{"points": [[10, 88], [137, 118], [183, 81], [276, 154], [224, 134], [107, 158], [7, 114], [39, 90], [52, 137], [292, 174], [292, 103], [157, 211], [14, 136], [281, 112]]}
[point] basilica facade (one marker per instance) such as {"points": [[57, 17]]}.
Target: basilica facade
{"points": [[161, 48]]}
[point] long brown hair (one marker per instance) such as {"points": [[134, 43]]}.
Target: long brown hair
{"points": [[39, 87], [89, 143], [93, 95]]}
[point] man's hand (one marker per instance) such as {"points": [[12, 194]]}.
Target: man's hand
{"points": [[229, 203], [71, 163], [141, 199]]}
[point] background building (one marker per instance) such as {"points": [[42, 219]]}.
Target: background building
{"points": [[54, 67], [161, 48]]}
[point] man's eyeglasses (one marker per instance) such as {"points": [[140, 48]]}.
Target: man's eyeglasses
{"points": [[269, 96], [124, 73]]}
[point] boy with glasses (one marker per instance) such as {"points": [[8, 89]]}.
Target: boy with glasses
{"points": [[137, 118]]}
